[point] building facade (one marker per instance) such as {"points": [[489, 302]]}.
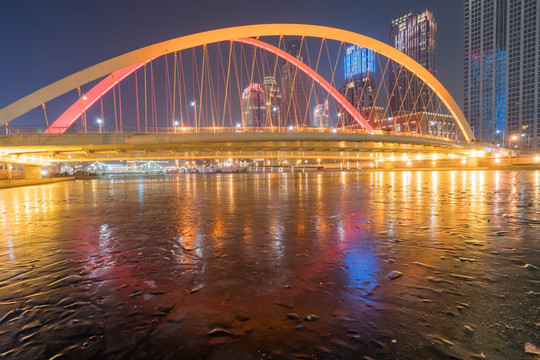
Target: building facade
{"points": [[359, 67], [485, 68], [295, 89], [320, 116], [523, 72], [272, 99], [501, 72], [253, 106], [415, 36]]}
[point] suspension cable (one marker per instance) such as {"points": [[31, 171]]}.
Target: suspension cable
{"points": [[174, 93], [227, 82], [80, 101], [145, 103], [137, 103], [102, 118], [45, 112], [120, 105], [114, 104]]}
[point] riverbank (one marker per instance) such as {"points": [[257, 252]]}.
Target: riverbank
{"points": [[5, 184]]}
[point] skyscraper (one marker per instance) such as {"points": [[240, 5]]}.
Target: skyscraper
{"points": [[295, 87], [272, 99], [415, 36], [320, 115], [502, 70], [359, 88], [523, 77], [253, 106], [485, 68]]}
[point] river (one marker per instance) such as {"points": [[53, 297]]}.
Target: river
{"points": [[315, 265]]}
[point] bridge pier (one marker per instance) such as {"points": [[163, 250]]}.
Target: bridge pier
{"points": [[32, 172], [472, 162]]}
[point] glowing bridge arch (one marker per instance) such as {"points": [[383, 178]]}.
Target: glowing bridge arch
{"points": [[139, 56], [74, 111]]}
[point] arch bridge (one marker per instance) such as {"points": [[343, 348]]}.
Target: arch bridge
{"points": [[260, 91]]}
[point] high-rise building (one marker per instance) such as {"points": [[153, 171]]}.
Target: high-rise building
{"points": [[295, 87], [272, 99], [485, 68], [359, 87], [502, 69], [253, 106], [523, 76], [414, 35], [320, 115]]}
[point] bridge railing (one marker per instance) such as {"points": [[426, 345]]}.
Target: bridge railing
{"points": [[198, 130], [169, 130]]}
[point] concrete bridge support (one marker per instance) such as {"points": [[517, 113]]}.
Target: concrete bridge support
{"points": [[32, 172], [472, 162]]}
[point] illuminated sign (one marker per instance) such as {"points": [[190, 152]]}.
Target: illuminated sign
{"points": [[358, 61]]}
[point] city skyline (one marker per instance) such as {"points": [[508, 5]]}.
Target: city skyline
{"points": [[84, 52]]}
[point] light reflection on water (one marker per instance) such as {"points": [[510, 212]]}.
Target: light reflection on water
{"points": [[318, 243]]}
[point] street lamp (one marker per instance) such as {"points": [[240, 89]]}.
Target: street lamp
{"points": [[194, 104], [510, 141], [100, 122], [175, 125], [510, 147]]}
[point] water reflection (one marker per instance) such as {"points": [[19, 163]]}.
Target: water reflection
{"points": [[146, 262]]}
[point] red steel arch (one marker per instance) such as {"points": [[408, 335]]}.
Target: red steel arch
{"points": [[64, 121], [60, 125]]}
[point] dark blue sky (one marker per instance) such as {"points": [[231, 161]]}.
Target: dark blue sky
{"points": [[43, 41]]}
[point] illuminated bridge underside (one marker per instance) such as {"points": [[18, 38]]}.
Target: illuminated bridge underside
{"points": [[70, 148], [108, 67]]}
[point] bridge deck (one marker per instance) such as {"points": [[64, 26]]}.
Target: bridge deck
{"points": [[91, 147]]}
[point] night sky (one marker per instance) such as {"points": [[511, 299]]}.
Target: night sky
{"points": [[44, 41]]}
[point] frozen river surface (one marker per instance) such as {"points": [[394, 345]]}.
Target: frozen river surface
{"points": [[344, 265]]}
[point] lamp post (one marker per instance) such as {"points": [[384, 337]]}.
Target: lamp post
{"points": [[175, 125], [510, 141], [100, 122], [510, 147], [194, 104]]}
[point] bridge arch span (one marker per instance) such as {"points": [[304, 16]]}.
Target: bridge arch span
{"points": [[74, 111], [107, 67]]}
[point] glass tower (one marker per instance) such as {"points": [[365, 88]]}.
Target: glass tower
{"points": [[414, 35], [485, 68], [295, 89], [502, 62], [359, 65]]}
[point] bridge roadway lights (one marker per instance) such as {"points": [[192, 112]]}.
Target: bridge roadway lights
{"points": [[93, 147]]}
